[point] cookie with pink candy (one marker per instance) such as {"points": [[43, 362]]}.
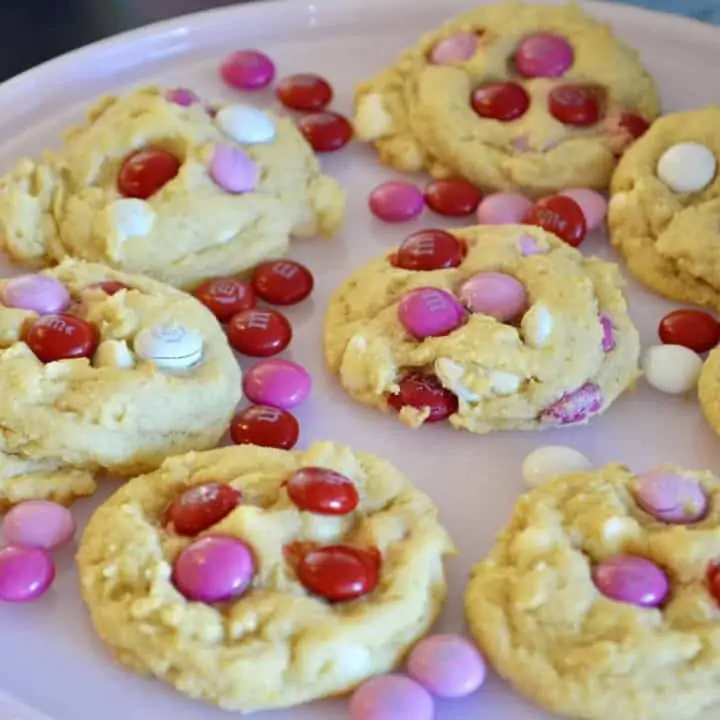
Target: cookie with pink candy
{"points": [[601, 596], [491, 327]]}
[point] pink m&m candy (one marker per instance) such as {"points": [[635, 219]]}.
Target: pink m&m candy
{"points": [[390, 697], [632, 579], [503, 209], [39, 523], [670, 497], [278, 383], [247, 70], [214, 568], [40, 293], [182, 97], [593, 205], [530, 246], [608, 338], [456, 48], [574, 406], [543, 55], [496, 294], [430, 312], [25, 573], [396, 201], [449, 666], [233, 170]]}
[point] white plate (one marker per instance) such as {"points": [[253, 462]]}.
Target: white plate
{"points": [[51, 657]]}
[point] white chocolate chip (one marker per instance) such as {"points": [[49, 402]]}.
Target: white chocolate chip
{"points": [[618, 202], [451, 374], [617, 531], [551, 461], [358, 343], [672, 369], [531, 543], [115, 354], [504, 383], [687, 167], [132, 218], [171, 346], [372, 121], [537, 325], [245, 124]]}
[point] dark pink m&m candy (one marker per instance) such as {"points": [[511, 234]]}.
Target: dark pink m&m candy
{"points": [[632, 579], [247, 70], [396, 201], [574, 406], [430, 312], [26, 573], [278, 383], [543, 55]]}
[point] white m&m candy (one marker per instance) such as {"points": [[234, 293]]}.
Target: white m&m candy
{"points": [[672, 369], [551, 461], [169, 347], [245, 124], [687, 167]]}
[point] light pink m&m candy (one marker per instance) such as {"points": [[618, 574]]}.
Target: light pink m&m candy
{"points": [[214, 568], [247, 70], [575, 406], [530, 246], [396, 201], [496, 294], [632, 579], [430, 312], [543, 55], [391, 697], [39, 523], [608, 338], [25, 573], [182, 97], [233, 170], [670, 497], [40, 293], [278, 383], [593, 205], [456, 48], [503, 209], [449, 666]]}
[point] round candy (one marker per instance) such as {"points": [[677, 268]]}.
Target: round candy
{"points": [[39, 523], [259, 332], [110, 287], [182, 97], [454, 49], [424, 393], [26, 573], [40, 293], [430, 312], [213, 569], [325, 131], [687, 167], [496, 294], [608, 338], [278, 383], [634, 125], [449, 666], [502, 101], [225, 296], [169, 347], [265, 426], [322, 491], [693, 329], [200, 507], [339, 572], [247, 70], [561, 216], [390, 697], [245, 124], [672, 369], [396, 201], [453, 197], [543, 55], [282, 282], [304, 91], [671, 498], [550, 461], [233, 170], [593, 205], [575, 406], [61, 337], [528, 245], [144, 172], [503, 209], [429, 250], [577, 105], [632, 579]]}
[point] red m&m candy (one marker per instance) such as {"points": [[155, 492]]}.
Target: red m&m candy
{"points": [[282, 282], [304, 91], [634, 125], [578, 105], [322, 491], [61, 337], [200, 507], [429, 250], [502, 101], [694, 329], [144, 172], [325, 131], [265, 426], [259, 332], [561, 216], [225, 296], [713, 579], [453, 197], [424, 392]]}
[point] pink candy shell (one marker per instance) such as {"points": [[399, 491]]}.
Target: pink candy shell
{"points": [[25, 573], [543, 55], [233, 170], [248, 70], [593, 205], [430, 312], [632, 579], [391, 697], [671, 498], [575, 406], [456, 48], [495, 294], [278, 383], [40, 524], [182, 97], [396, 201], [503, 209]]}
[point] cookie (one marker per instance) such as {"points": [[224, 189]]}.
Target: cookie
{"points": [[601, 597], [491, 327], [664, 210], [176, 192], [511, 96], [709, 390], [336, 569], [112, 378]]}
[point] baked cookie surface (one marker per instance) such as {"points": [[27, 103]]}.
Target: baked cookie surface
{"points": [[596, 599], [664, 214], [277, 644], [147, 373], [538, 335], [424, 111], [229, 190]]}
